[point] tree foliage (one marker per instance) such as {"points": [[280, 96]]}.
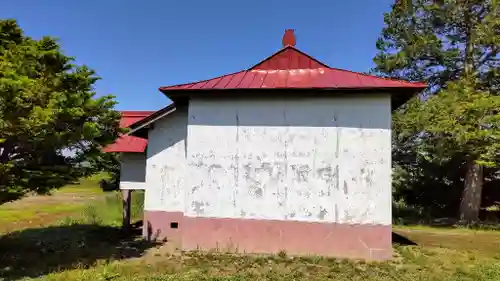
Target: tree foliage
{"points": [[459, 120], [109, 163], [454, 46], [51, 123], [436, 40]]}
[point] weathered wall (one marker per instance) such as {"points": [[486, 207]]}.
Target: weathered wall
{"points": [[133, 170], [166, 159], [314, 160]]}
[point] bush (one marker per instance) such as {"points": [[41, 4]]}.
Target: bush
{"points": [[111, 184]]}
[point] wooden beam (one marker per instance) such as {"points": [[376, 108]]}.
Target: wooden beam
{"points": [[126, 197]]}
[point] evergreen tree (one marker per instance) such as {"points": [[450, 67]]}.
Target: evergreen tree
{"points": [[51, 123], [454, 46]]}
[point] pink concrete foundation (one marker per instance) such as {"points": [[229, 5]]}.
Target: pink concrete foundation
{"points": [[159, 225], [360, 241]]}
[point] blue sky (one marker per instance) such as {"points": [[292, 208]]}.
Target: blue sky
{"points": [[138, 46]]}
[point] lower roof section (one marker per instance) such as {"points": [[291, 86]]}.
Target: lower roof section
{"points": [[128, 143]]}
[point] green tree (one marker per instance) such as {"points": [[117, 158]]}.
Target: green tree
{"points": [[109, 163], [51, 124], [453, 45]]}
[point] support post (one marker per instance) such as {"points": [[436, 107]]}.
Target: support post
{"points": [[126, 197]]}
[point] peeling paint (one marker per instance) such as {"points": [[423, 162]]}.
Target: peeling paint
{"points": [[322, 214], [336, 213], [213, 167], [264, 159], [325, 174], [337, 177], [301, 172], [196, 187], [255, 191], [198, 207], [166, 164]]}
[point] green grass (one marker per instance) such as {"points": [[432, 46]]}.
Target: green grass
{"points": [[483, 243], [412, 263], [85, 243], [37, 211], [109, 210], [12, 215], [85, 186]]}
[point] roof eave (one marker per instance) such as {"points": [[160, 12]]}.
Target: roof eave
{"points": [[399, 95], [139, 128]]}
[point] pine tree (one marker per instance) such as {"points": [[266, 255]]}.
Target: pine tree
{"points": [[454, 46], [51, 123]]}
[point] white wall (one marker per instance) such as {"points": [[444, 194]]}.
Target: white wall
{"points": [[133, 170], [319, 160], [166, 159]]}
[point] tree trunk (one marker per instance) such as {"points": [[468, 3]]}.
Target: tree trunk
{"points": [[471, 195]]}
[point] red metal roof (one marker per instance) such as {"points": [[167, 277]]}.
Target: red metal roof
{"points": [[291, 68], [127, 143], [130, 117]]}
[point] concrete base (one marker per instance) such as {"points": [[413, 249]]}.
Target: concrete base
{"points": [[360, 241], [159, 225]]}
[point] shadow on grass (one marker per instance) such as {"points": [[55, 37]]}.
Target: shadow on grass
{"points": [[401, 240], [36, 252]]}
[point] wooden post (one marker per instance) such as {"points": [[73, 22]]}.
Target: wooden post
{"points": [[126, 194]]}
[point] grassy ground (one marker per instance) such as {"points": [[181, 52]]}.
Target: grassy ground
{"points": [[74, 235], [39, 211]]}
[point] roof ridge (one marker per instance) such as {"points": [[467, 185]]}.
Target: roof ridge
{"points": [[288, 47]]}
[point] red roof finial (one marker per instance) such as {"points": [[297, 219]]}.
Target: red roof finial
{"points": [[289, 38]]}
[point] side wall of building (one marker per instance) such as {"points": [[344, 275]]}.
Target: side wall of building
{"points": [[286, 171], [316, 160], [133, 171], [165, 177]]}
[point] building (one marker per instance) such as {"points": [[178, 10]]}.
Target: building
{"points": [[289, 155], [132, 151]]}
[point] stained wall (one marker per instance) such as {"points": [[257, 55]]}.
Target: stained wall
{"points": [[311, 160], [166, 163]]}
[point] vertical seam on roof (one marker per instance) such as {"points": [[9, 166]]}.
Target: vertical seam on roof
{"points": [[263, 79], [360, 81], [273, 81], [204, 83], [239, 82], [231, 80], [228, 80], [216, 83], [253, 78]]}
